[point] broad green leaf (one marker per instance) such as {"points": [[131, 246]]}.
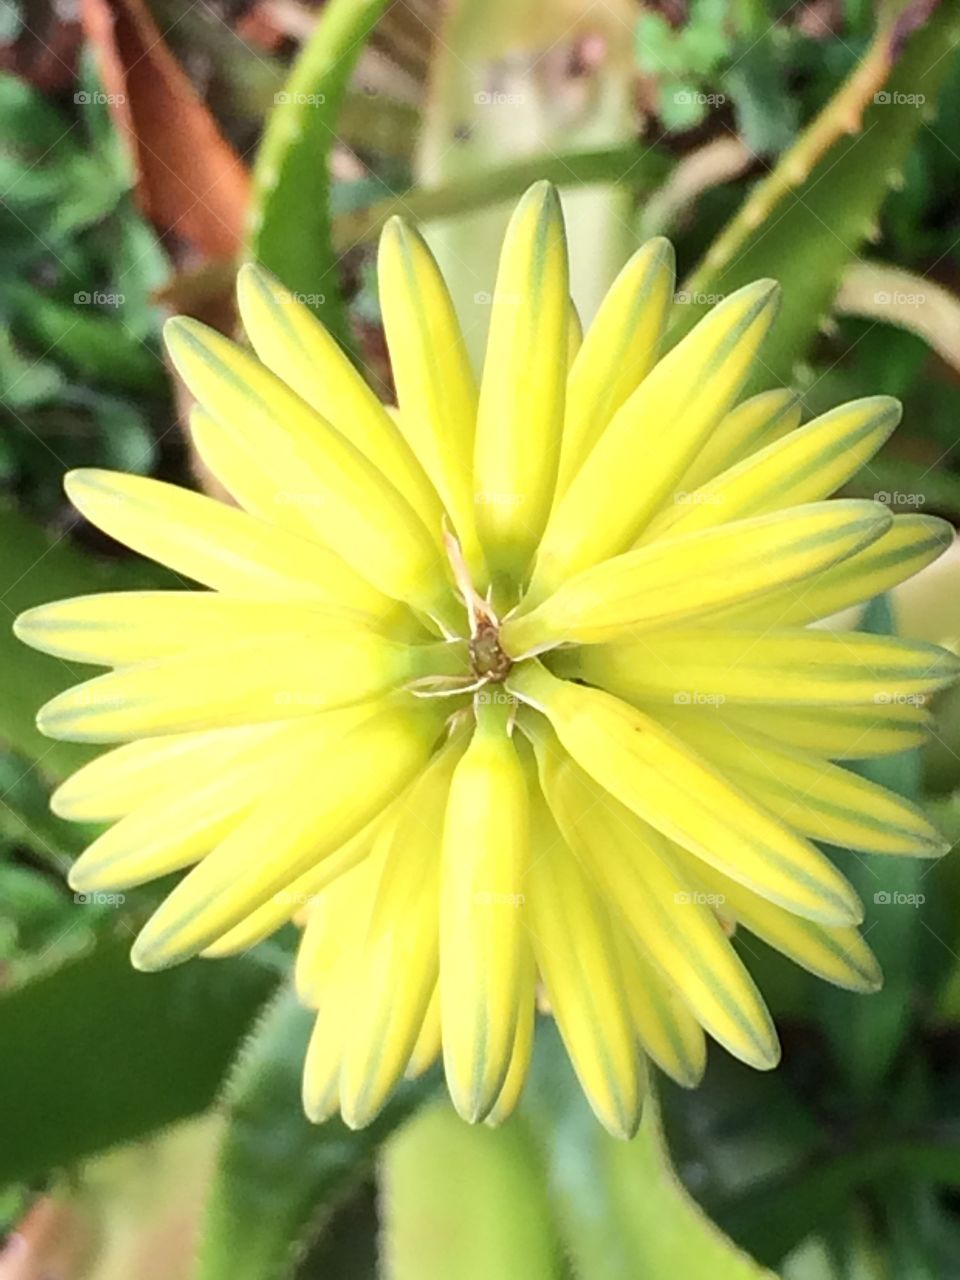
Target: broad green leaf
{"points": [[290, 220], [96, 1054], [491, 1200], [620, 1209], [279, 1177], [667, 1233], [806, 220]]}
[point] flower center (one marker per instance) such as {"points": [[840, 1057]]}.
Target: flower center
{"points": [[489, 661]]}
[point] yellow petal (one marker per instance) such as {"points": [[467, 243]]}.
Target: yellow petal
{"points": [[120, 780], [664, 782], [326, 979], [311, 815], [837, 733], [336, 925], [399, 956], [752, 425], [519, 1068], [294, 345], [667, 1030], [809, 464], [248, 683], [835, 953], [816, 798], [574, 332], [907, 546], [215, 544], [322, 483], [784, 667], [299, 896], [689, 577], [436, 388], [520, 414], [620, 348], [427, 1049], [664, 422], [117, 628], [481, 914], [576, 954], [630, 864]]}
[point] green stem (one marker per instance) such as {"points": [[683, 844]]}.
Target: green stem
{"points": [[638, 167], [445, 658], [290, 221]]}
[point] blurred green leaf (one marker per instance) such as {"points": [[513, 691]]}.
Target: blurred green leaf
{"points": [[492, 1200], [279, 1177], [34, 569], [96, 1054], [619, 1206], [804, 223], [290, 227]]}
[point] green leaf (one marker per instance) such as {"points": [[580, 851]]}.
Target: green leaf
{"points": [[278, 1176], [35, 568], [290, 231], [97, 1054], [804, 223], [503, 1227], [619, 1206]]}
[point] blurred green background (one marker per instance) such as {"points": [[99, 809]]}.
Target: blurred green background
{"points": [[150, 1127]]}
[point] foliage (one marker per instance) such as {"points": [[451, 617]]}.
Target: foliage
{"points": [[813, 144]]}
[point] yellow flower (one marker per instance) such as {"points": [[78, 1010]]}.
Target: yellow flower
{"points": [[514, 685]]}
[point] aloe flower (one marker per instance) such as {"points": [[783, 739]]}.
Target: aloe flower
{"points": [[510, 691]]}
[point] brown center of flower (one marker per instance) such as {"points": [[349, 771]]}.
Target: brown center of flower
{"points": [[489, 661]]}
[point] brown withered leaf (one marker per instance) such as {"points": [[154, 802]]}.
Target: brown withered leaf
{"points": [[190, 181]]}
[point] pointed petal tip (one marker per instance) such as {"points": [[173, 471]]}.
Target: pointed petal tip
{"points": [[145, 959]]}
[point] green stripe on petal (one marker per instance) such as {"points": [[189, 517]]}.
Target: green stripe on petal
{"points": [[781, 667], [658, 777], [294, 345], [663, 423], [320, 480], [436, 388], [630, 863], [688, 577], [520, 414], [809, 464], [620, 348]]}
